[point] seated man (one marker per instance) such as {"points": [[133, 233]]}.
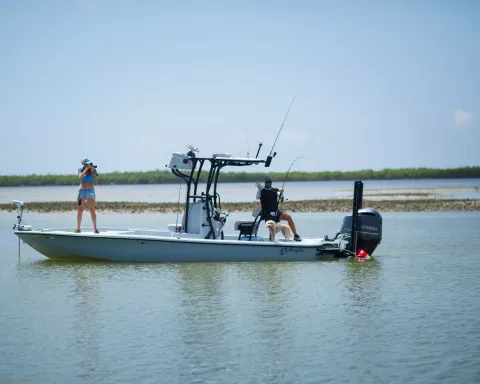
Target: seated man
{"points": [[269, 197]]}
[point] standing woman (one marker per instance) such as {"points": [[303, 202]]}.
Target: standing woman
{"points": [[88, 175]]}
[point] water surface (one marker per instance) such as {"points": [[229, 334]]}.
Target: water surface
{"points": [[408, 316]]}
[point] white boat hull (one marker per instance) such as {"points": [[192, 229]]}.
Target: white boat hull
{"points": [[151, 246]]}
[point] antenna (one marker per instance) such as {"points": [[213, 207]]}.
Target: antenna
{"points": [[178, 206], [246, 134]]}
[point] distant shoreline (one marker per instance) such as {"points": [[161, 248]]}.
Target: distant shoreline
{"points": [[167, 177], [328, 205]]}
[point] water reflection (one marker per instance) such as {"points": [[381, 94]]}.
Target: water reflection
{"points": [[271, 324], [226, 303], [83, 297], [203, 316], [363, 283], [86, 296]]}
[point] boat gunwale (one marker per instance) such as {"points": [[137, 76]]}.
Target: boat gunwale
{"points": [[267, 243]]}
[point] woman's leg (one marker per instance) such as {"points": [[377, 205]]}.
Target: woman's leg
{"points": [[80, 203], [91, 208]]}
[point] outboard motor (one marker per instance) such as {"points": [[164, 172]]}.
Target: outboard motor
{"points": [[369, 230], [364, 226]]}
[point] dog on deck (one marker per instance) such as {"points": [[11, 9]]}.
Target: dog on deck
{"points": [[274, 228]]}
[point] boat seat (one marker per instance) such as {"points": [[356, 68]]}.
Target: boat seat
{"points": [[249, 228], [239, 225], [246, 228]]}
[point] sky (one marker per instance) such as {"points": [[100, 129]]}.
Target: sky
{"points": [[378, 84]]}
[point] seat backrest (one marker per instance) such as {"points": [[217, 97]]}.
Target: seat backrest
{"points": [[263, 206]]}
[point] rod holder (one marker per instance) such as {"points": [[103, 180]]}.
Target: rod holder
{"points": [[258, 151]]}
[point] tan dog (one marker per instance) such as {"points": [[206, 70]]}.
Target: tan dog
{"points": [[274, 228]]}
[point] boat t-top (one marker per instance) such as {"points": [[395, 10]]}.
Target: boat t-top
{"points": [[202, 234]]}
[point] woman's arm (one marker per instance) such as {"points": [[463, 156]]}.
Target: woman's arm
{"points": [[83, 173], [95, 176]]}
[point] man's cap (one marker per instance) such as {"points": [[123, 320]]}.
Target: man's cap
{"points": [[268, 178], [86, 160]]}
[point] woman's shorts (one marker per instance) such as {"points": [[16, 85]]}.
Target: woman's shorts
{"points": [[86, 193]]}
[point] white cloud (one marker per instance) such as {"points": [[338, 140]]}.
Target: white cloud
{"points": [[462, 117]]}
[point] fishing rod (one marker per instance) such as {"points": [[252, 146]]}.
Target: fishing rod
{"points": [[280, 197], [270, 157], [291, 165]]}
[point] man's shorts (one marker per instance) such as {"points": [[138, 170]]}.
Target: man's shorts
{"points": [[275, 217], [86, 193]]}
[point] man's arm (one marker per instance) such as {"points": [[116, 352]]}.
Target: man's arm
{"points": [[259, 190]]}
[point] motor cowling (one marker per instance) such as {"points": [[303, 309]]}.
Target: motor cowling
{"points": [[369, 229]]}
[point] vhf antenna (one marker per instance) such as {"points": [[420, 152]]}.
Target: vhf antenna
{"points": [[246, 134]]}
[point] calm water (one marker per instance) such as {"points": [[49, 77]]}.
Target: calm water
{"points": [[441, 188], [411, 315]]}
